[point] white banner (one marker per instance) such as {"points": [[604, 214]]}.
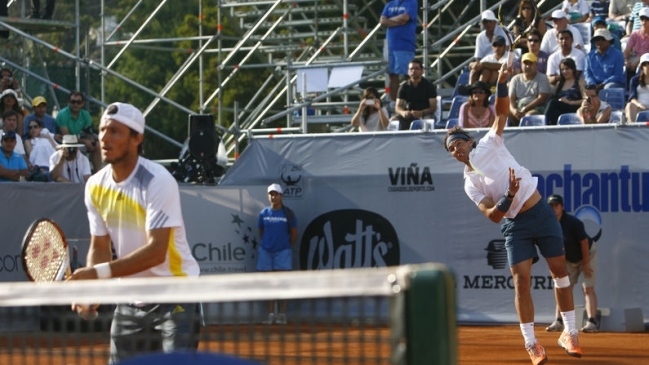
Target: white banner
{"points": [[368, 200]]}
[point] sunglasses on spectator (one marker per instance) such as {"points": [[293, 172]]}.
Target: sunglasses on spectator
{"points": [[76, 101], [533, 40], [33, 126], [526, 8], [478, 91]]}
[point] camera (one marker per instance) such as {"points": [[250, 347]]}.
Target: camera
{"points": [[369, 102], [71, 150]]}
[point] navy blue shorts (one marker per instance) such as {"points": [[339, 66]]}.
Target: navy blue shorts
{"points": [[538, 226]]}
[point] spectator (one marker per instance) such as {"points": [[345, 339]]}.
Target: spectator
{"points": [[618, 10], [8, 81], [12, 165], [528, 19], [36, 9], [68, 164], [550, 43], [39, 108], [73, 119], [278, 232], [484, 42], [566, 50], [581, 258], [491, 63], [599, 8], [9, 101], [400, 19], [10, 121], [534, 45], [593, 109], [638, 91], [577, 10], [528, 91], [371, 115], [39, 145], [605, 64], [638, 43], [477, 112], [599, 22], [417, 97], [568, 94], [634, 22]]}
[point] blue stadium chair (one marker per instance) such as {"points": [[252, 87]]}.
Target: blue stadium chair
{"points": [[533, 120], [463, 79], [642, 117], [194, 358], [455, 106], [419, 124], [615, 96], [451, 122], [393, 125], [568, 118], [585, 32], [617, 117]]}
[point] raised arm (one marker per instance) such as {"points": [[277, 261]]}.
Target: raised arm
{"points": [[502, 100]]}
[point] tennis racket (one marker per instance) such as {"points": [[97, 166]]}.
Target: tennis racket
{"points": [[45, 256]]}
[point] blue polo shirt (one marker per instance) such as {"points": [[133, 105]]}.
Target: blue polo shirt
{"points": [[602, 69], [276, 226], [402, 38], [14, 162]]}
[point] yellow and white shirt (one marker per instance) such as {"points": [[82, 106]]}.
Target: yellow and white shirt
{"points": [[148, 199]]}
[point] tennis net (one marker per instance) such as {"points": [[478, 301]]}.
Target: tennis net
{"points": [[395, 315]]}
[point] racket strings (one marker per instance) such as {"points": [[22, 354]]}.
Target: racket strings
{"points": [[46, 253]]}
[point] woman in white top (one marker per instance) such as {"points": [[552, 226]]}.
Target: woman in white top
{"points": [[639, 91], [39, 145], [371, 116]]}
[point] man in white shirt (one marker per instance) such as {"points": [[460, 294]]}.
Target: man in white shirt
{"points": [[566, 50], [484, 41], [550, 43], [68, 164]]}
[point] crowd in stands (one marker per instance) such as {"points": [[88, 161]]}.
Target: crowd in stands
{"points": [[587, 60], [40, 147]]}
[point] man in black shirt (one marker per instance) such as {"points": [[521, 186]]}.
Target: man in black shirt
{"points": [[581, 258], [417, 97]]}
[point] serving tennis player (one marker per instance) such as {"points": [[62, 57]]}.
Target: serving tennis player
{"points": [[501, 188], [134, 204]]}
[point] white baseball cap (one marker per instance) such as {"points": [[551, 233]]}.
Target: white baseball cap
{"points": [[644, 58], [126, 114], [644, 12], [558, 14], [275, 187], [489, 15]]}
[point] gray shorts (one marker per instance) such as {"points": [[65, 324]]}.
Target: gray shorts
{"points": [[575, 269], [538, 226]]}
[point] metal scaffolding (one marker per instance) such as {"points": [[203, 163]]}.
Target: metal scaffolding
{"points": [[282, 37]]}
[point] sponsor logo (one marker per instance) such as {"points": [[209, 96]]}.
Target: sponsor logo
{"points": [[410, 179], [349, 238], [11, 263], [291, 176], [618, 191], [230, 256]]}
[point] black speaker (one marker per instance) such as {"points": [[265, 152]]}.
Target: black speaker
{"points": [[203, 141]]}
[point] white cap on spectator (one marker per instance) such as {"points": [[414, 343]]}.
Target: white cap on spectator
{"points": [[489, 15], [644, 58], [558, 14], [644, 12]]}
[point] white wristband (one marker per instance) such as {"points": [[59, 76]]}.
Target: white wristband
{"points": [[103, 270]]}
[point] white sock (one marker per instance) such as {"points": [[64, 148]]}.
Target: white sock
{"points": [[527, 329], [569, 321]]}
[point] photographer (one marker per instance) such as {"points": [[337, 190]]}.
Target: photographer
{"points": [[593, 110], [7, 81], [76, 121], [68, 164], [371, 116]]}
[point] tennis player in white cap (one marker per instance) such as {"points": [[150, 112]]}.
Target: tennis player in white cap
{"points": [[134, 204]]}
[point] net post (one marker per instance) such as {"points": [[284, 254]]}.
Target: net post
{"points": [[430, 315]]}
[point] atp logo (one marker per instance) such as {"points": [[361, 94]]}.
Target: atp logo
{"points": [[291, 177]]}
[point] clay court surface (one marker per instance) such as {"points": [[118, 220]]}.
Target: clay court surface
{"points": [[484, 345]]}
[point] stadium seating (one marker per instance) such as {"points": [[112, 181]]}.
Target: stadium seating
{"points": [[642, 117], [568, 118], [451, 122], [533, 120], [614, 96], [617, 117], [420, 123], [394, 125]]}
